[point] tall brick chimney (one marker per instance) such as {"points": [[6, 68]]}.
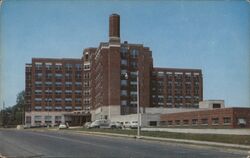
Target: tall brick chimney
{"points": [[114, 28]]}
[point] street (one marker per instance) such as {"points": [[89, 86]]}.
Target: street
{"points": [[27, 143]]}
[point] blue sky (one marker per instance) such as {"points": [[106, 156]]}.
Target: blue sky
{"points": [[210, 35]]}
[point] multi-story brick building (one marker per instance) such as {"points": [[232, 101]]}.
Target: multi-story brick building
{"points": [[176, 88], [113, 68], [111, 77], [53, 87]]}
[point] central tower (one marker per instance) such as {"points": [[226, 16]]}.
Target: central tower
{"points": [[114, 28]]}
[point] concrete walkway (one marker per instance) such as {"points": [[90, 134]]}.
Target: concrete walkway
{"points": [[201, 131], [237, 146]]}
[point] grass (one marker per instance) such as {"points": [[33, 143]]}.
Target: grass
{"points": [[222, 138]]}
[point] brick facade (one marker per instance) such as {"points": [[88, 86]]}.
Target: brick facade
{"points": [[210, 118]]}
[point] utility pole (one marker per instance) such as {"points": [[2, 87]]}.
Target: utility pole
{"points": [[3, 118], [138, 106]]}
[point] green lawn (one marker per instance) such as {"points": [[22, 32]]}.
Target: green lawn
{"points": [[233, 139]]}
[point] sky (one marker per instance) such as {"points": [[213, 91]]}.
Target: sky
{"points": [[210, 35]]}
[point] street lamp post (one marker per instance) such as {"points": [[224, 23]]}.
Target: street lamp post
{"points": [[138, 103], [138, 106]]}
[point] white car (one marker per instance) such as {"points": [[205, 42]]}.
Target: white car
{"points": [[115, 125], [127, 124], [63, 126], [87, 124], [134, 124], [100, 124]]}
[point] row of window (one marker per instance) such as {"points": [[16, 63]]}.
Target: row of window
{"points": [[49, 66], [57, 108], [133, 52], [56, 75], [38, 91], [57, 99], [57, 84], [203, 121], [177, 74]]}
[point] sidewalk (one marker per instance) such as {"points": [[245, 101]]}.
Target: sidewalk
{"points": [[201, 131], [207, 143]]}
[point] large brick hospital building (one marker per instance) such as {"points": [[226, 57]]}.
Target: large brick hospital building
{"points": [[104, 83]]}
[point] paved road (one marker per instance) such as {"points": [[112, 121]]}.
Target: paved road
{"points": [[25, 143]]}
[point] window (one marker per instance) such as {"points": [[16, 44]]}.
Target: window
{"points": [[215, 121], [133, 64], [58, 100], [68, 76], [68, 92], [58, 108], [78, 83], [58, 76], [58, 119], [48, 108], [78, 100], [86, 84], [48, 66], [78, 76], [38, 65], [124, 62], [170, 122], [38, 75], [216, 106], [152, 123], [68, 108], [38, 84], [134, 53], [86, 93], [38, 91], [48, 83], [78, 66], [58, 66], [78, 92], [78, 108], [87, 67], [68, 99], [58, 84], [124, 93], [204, 121], [124, 82], [86, 56], [68, 66], [68, 84], [227, 120], [58, 92], [185, 122], [38, 108], [194, 121], [38, 99], [49, 76], [124, 50], [38, 119], [177, 122], [86, 75], [48, 91], [124, 102]]}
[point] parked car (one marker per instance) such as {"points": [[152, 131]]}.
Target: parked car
{"points": [[87, 125], [127, 124], [134, 124], [115, 125], [100, 124], [63, 126]]}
